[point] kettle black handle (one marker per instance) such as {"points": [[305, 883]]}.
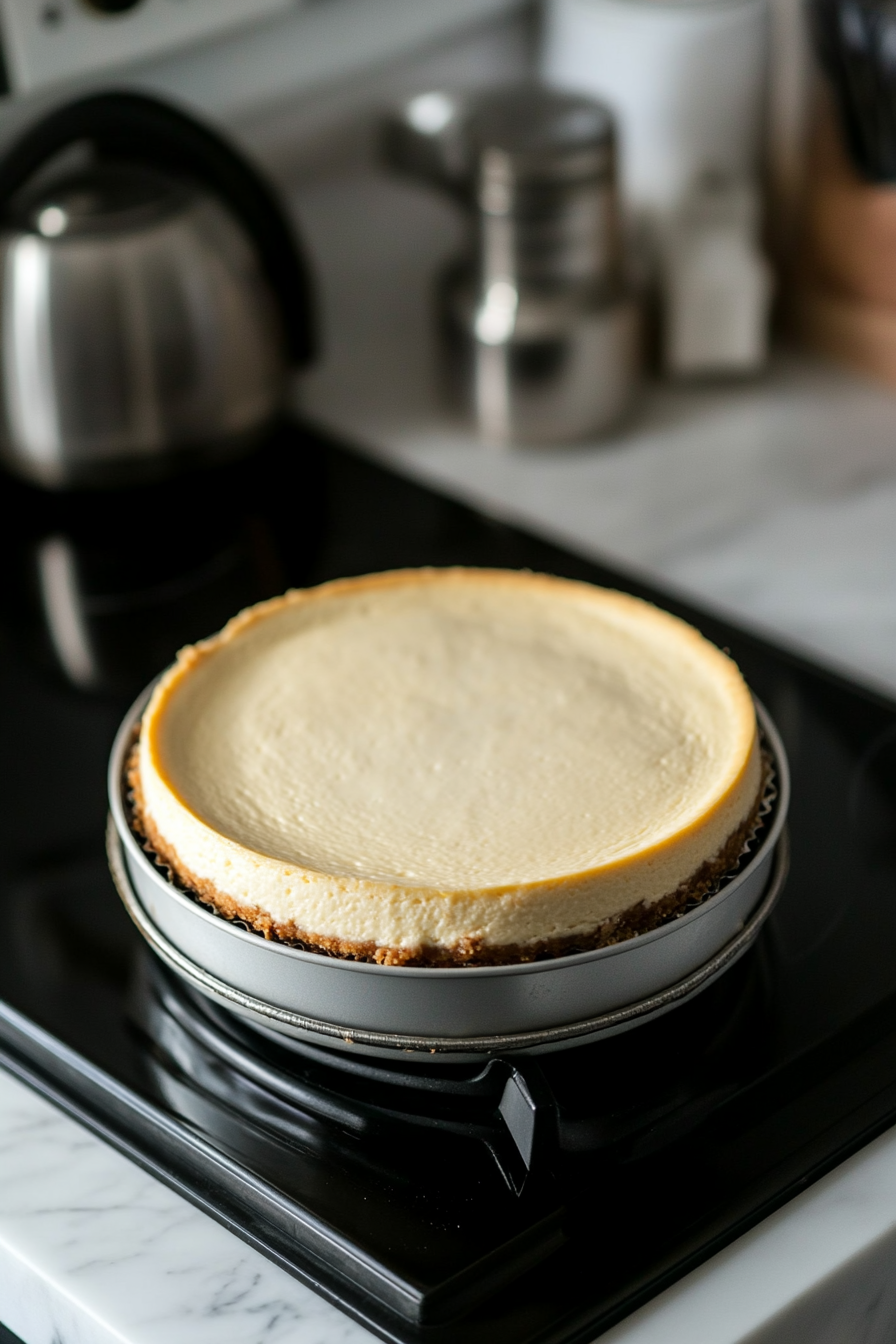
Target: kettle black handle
{"points": [[142, 129]]}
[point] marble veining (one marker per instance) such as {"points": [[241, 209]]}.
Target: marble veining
{"points": [[93, 1249]]}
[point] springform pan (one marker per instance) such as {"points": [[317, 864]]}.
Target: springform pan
{"points": [[442, 1003]]}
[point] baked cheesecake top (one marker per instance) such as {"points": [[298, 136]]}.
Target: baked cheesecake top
{"points": [[447, 733]]}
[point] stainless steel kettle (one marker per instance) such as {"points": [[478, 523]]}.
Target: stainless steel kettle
{"points": [[151, 301]]}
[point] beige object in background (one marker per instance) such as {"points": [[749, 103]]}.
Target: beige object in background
{"points": [[716, 283], [852, 331], [849, 227], [844, 302]]}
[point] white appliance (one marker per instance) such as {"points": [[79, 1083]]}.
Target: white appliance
{"points": [[46, 41]]}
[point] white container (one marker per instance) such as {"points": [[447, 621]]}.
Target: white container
{"points": [[716, 284], [686, 80]]}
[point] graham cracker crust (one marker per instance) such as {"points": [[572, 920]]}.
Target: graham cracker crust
{"points": [[639, 918]]}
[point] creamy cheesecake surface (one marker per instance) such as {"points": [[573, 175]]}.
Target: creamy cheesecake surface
{"points": [[449, 766]]}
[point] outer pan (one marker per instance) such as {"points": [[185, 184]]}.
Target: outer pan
{"points": [[288, 1026], [438, 1004]]}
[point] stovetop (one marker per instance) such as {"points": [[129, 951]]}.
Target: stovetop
{"points": [[517, 1200]]}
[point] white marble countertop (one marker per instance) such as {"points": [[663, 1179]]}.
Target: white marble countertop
{"points": [[773, 501], [93, 1250]]}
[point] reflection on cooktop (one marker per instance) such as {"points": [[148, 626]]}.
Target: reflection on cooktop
{"points": [[521, 1200], [620, 1099], [107, 585]]}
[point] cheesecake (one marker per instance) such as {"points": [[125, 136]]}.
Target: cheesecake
{"points": [[449, 767]]}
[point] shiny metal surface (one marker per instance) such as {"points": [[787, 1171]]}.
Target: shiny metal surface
{"points": [[451, 1003], [540, 311], [544, 367], [544, 166], [536, 167], [544, 158], [552, 333], [286, 1025], [135, 324]]}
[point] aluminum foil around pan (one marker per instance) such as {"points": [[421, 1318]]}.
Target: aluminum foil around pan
{"points": [[442, 1003]]}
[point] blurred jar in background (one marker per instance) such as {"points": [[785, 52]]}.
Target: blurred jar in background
{"points": [[686, 81], [717, 285], [538, 312], [688, 84]]}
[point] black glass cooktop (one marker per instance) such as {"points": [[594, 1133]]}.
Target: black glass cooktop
{"points": [[535, 1200]]}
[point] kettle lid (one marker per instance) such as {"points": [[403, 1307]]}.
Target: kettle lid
{"points": [[101, 201]]}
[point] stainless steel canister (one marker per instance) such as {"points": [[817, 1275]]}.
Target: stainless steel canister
{"points": [[540, 311]]}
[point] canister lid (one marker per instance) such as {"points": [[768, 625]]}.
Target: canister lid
{"points": [[524, 132], [541, 134]]}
